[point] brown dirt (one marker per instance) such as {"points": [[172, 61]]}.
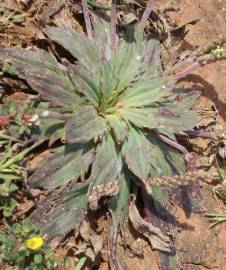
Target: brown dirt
{"points": [[201, 248]]}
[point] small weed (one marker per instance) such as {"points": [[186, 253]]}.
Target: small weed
{"points": [[22, 246], [10, 172], [218, 51], [7, 68], [7, 16], [216, 218], [16, 119], [220, 190]]}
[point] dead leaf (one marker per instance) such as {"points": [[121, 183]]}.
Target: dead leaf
{"points": [[153, 234], [91, 237]]}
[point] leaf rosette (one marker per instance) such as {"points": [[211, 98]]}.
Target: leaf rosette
{"points": [[108, 109]]}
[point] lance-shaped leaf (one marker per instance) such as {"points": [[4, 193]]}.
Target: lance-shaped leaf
{"points": [[139, 117], [41, 70], [106, 171], [187, 98], [107, 164], [68, 213], [174, 158], [174, 113], [109, 81], [102, 35], [167, 160], [137, 153], [125, 64], [67, 163], [143, 93], [86, 83], [119, 205], [175, 118], [82, 48], [84, 125], [119, 127], [151, 65]]}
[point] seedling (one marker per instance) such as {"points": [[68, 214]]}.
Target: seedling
{"points": [[216, 218]]}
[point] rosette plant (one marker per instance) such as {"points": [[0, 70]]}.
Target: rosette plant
{"points": [[116, 114]]}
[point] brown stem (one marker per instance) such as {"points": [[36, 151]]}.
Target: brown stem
{"points": [[113, 249], [187, 70], [172, 143], [200, 62], [146, 14], [87, 19], [199, 133], [178, 65], [113, 25]]}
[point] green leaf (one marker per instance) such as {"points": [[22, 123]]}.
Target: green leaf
{"points": [[38, 258], [102, 34], [125, 64], [107, 164], [167, 160], [118, 205], [49, 128], [13, 187], [119, 127], [137, 153], [11, 106], [139, 117], [8, 205], [175, 118], [84, 125], [174, 113], [68, 213], [66, 164], [78, 45], [109, 81], [86, 83], [143, 93], [41, 70], [80, 263], [9, 177], [7, 212], [160, 166]]}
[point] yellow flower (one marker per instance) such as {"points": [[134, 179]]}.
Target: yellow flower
{"points": [[35, 242]]}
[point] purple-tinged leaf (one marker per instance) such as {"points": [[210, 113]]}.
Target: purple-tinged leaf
{"points": [[137, 153], [86, 83], [41, 70], [84, 125], [143, 93], [83, 49], [119, 127], [107, 164], [66, 164], [102, 34], [139, 117]]}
